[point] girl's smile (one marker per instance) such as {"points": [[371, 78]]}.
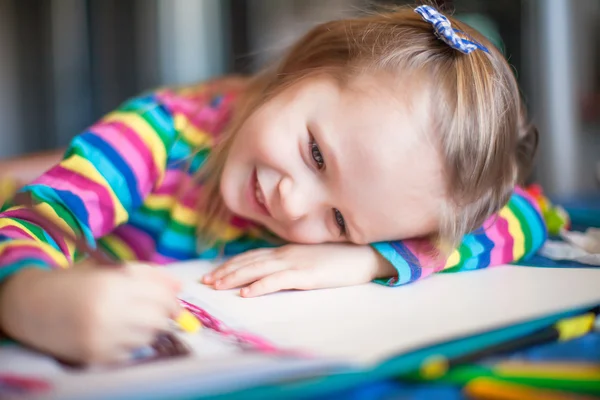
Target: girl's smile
{"points": [[256, 196]]}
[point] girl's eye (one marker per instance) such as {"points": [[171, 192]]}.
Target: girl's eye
{"points": [[315, 153], [339, 220]]}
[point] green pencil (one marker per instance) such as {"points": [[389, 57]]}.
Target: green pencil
{"points": [[566, 329], [584, 383]]}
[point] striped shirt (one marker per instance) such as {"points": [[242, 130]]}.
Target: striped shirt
{"points": [[127, 184]]}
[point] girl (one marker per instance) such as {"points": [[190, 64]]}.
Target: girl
{"points": [[374, 148]]}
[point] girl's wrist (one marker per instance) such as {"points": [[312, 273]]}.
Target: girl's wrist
{"points": [[384, 269]]}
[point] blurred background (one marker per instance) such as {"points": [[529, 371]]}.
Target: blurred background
{"points": [[65, 63]]}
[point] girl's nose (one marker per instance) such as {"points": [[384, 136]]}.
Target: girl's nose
{"points": [[295, 203]]}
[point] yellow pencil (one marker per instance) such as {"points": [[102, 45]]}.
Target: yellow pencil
{"points": [[187, 322]]}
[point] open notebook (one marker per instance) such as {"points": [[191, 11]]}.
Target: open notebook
{"points": [[324, 332]]}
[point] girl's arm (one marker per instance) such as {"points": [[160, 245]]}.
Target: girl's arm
{"points": [[106, 173], [513, 234]]}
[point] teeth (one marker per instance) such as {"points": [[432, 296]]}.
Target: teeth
{"points": [[259, 195]]}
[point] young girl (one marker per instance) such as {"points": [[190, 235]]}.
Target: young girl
{"points": [[375, 147]]}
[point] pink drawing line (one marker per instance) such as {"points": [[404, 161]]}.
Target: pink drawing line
{"points": [[247, 340], [23, 384]]}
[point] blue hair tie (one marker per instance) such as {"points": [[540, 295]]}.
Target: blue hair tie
{"points": [[444, 31]]}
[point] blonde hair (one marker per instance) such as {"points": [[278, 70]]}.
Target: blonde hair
{"points": [[478, 119]]}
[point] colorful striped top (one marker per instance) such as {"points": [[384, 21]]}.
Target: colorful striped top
{"points": [[127, 185]]}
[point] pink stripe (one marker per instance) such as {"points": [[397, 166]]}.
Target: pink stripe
{"points": [[184, 105], [242, 223], [498, 233], [530, 199], [191, 197], [14, 232], [118, 136], [99, 205], [16, 253], [172, 181], [154, 171], [424, 251], [142, 245], [198, 113]]}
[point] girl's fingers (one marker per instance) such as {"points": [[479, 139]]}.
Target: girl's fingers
{"points": [[249, 273], [233, 264], [283, 280]]}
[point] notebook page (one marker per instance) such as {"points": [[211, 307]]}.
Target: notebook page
{"points": [[368, 323]]}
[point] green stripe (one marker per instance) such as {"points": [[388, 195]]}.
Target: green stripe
{"points": [[35, 229], [105, 247], [464, 253], [64, 214], [182, 229], [149, 115], [524, 226], [163, 214]]}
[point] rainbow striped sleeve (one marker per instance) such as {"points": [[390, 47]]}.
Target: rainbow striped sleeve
{"points": [[512, 235], [105, 174]]}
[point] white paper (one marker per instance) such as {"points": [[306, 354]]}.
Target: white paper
{"points": [[369, 323]]}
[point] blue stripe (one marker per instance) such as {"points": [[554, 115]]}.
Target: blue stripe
{"points": [[410, 258], [151, 224], [179, 151], [178, 241], [488, 245], [174, 253], [138, 103], [115, 158], [50, 240], [476, 249], [163, 118], [389, 253], [106, 168], [70, 202]]}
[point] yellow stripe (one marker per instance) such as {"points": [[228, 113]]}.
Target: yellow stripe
{"points": [[159, 201], [48, 211], [58, 257], [84, 167], [184, 215], [453, 260], [148, 135], [13, 222], [190, 217], [118, 246], [192, 135], [514, 229]]}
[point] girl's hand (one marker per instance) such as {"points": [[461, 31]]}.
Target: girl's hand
{"points": [[296, 266], [88, 314]]}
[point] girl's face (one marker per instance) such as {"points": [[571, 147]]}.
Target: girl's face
{"points": [[320, 163]]}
